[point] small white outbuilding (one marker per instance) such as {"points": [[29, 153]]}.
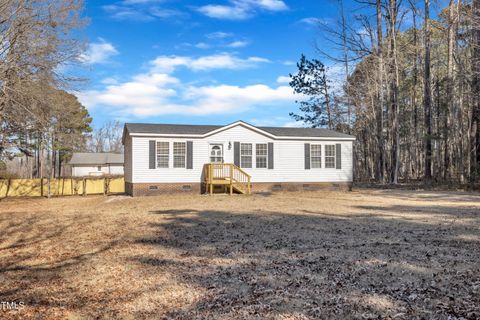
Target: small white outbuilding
{"points": [[96, 164]]}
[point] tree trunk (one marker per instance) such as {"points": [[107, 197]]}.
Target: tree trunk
{"points": [[427, 99], [450, 90], [394, 87], [380, 170], [345, 61], [475, 124]]}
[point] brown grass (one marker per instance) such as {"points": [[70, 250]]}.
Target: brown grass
{"points": [[360, 255]]}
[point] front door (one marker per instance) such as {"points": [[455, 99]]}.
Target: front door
{"points": [[216, 153]]}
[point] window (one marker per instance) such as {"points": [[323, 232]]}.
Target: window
{"points": [[216, 154], [246, 155], [179, 154], [262, 153], [162, 154], [316, 155], [330, 156]]}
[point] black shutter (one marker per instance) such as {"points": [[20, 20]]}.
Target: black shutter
{"points": [[236, 153], [189, 154], [151, 154], [307, 156], [338, 154], [270, 155]]}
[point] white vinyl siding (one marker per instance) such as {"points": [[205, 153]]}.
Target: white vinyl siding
{"points": [[289, 158], [128, 158], [95, 171], [246, 155], [163, 152], [330, 156], [179, 154], [261, 155], [316, 156]]}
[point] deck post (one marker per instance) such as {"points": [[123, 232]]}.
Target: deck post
{"points": [[249, 191], [231, 179], [210, 178]]}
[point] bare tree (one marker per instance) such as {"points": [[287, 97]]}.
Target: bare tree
{"points": [[475, 124], [380, 157], [107, 138], [35, 40], [427, 99]]}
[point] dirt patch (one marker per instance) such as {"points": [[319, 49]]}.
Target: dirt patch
{"points": [[367, 254]]}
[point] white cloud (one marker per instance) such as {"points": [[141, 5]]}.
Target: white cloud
{"points": [[165, 13], [168, 64], [140, 1], [202, 45], [140, 10], [293, 124], [283, 79], [237, 44], [109, 80], [157, 92], [277, 122], [99, 52], [225, 12], [289, 63], [218, 35], [126, 13], [312, 21], [241, 9], [273, 5]]}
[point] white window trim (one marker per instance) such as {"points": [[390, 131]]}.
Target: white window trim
{"points": [[209, 149], [266, 156], [334, 156], [322, 151], [156, 154], [252, 155], [173, 155]]}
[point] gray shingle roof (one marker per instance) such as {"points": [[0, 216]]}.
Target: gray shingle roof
{"points": [[169, 128], [97, 158], [304, 132], [203, 129]]}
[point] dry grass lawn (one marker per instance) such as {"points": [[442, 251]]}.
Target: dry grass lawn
{"points": [[329, 255]]}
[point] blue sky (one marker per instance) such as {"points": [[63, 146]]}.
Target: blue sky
{"points": [[198, 62]]}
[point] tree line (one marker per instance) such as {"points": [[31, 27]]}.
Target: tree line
{"points": [[411, 94]]}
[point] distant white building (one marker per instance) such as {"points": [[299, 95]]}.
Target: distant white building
{"points": [[96, 164]]}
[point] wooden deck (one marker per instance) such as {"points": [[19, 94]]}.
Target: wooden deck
{"points": [[230, 177]]}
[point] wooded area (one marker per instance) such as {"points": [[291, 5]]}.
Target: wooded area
{"points": [[41, 122], [38, 118], [412, 94]]}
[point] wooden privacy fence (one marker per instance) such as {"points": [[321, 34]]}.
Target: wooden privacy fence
{"points": [[60, 187]]}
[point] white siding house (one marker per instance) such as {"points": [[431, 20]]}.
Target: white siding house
{"points": [[172, 157], [97, 164]]}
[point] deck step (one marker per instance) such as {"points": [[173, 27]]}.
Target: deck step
{"points": [[227, 175]]}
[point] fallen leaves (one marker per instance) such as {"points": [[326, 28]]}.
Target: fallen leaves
{"points": [[362, 255]]}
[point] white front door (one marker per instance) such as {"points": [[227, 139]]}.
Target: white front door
{"points": [[216, 153]]}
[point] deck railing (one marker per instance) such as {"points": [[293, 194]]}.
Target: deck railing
{"points": [[228, 175]]}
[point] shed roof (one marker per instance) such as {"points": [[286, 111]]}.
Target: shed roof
{"points": [[182, 129], [96, 158]]}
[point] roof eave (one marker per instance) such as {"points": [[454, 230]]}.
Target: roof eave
{"points": [[200, 136]]}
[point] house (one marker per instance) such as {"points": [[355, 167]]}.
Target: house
{"points": [[162, 158], [96, 164]]}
